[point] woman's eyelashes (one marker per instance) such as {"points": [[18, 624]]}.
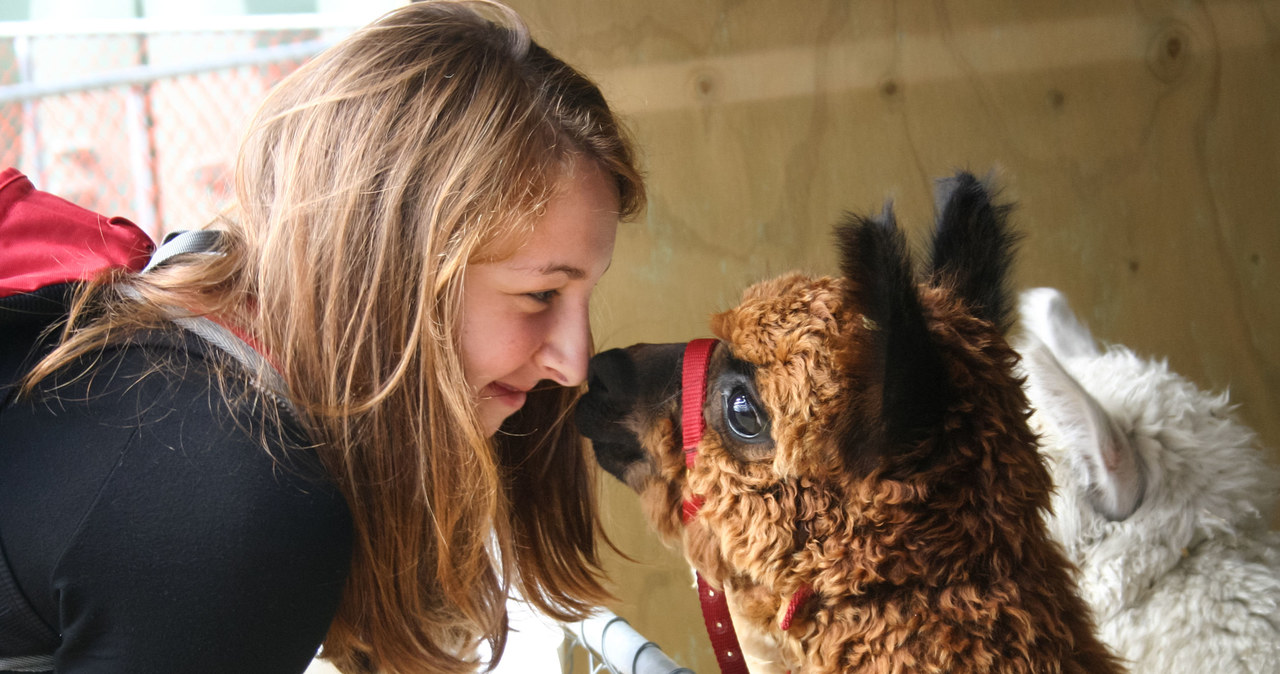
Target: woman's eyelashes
{"points": [[543, 296]]}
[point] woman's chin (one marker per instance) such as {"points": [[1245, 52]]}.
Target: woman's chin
{"points": [[495, 410]]}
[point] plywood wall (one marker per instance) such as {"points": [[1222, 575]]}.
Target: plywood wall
{"points": [[1141, 141]]}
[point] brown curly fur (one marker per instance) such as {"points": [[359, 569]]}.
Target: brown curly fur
{"points": [[925, 555]]}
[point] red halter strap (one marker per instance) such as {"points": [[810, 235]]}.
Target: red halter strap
{"points": [[715, 608], [693, 387], [693, 382]]}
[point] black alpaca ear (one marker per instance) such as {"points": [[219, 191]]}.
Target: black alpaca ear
{"points": [[973, 248], [898, 373]]}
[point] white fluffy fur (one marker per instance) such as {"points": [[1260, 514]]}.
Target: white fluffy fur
{"points": [[1164, 500]]}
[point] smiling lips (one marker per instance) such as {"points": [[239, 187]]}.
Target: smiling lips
{"points": [[507, 394]]}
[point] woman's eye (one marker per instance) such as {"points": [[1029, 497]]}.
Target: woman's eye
{"points": [[543, 296], [743, 415]]}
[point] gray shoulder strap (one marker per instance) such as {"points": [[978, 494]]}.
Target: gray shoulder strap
{"points": [[26, 663], [181, 243], [206, 241]]}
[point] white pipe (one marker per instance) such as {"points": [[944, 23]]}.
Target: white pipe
{"points": [[144, 196], [202, 24], [32, 153], [621, 647], [140, 75]]}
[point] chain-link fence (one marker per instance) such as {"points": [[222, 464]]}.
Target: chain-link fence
{"points": [[141, 118]]}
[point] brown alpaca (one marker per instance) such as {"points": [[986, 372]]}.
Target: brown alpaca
{"points": [[866, 439]]}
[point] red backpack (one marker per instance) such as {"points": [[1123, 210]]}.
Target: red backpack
{"points": [[48, 244]]}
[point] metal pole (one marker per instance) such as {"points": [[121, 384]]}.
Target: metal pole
{"points": [[30, 124], [621, 647], [142, 155]]}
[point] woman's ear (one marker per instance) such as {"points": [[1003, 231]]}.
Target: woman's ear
{"points": [[1046, 316]]}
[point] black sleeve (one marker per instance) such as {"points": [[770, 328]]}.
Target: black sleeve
{"points": [[150, 527]]}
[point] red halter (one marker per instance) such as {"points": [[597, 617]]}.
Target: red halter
{"points": [[715, 609], [693, 388]]}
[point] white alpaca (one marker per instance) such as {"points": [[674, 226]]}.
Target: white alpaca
{"points": [[1163, 500]]}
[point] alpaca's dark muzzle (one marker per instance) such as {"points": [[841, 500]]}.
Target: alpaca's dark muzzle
{"points": [[625, 389]]}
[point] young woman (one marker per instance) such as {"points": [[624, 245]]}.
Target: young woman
{"points": [[422, 212]]}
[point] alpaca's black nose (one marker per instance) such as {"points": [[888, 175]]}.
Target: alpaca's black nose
{"points": [[611, 374], [649, 371], [619, 379], [625, 387], [611, 391]]}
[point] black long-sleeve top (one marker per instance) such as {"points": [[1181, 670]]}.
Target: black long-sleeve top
{"points": [[149, 530]]}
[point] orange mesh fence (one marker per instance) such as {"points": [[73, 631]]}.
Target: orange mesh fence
{"points": [[140, 120]]}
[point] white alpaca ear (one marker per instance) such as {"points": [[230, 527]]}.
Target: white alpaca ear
{"points": [[1116, 476], [1045, 314]]}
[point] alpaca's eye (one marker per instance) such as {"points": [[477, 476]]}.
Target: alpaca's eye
{"points": [[743, 415]]}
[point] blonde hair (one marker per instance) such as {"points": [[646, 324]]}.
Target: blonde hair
{"points": [[366, 183]]}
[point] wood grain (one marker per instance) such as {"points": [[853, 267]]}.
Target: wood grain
{"points": [[1141, 141]]}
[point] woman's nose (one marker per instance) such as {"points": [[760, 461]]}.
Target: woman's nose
{"points": [[568, 347]]}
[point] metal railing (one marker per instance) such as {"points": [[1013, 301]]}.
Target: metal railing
{"points": [[613, 645], [608, 642]]}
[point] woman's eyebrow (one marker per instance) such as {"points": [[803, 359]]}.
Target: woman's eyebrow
{"points": [[571, 271]]}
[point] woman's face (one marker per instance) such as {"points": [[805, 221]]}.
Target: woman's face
{"points": [[524, 318]]}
